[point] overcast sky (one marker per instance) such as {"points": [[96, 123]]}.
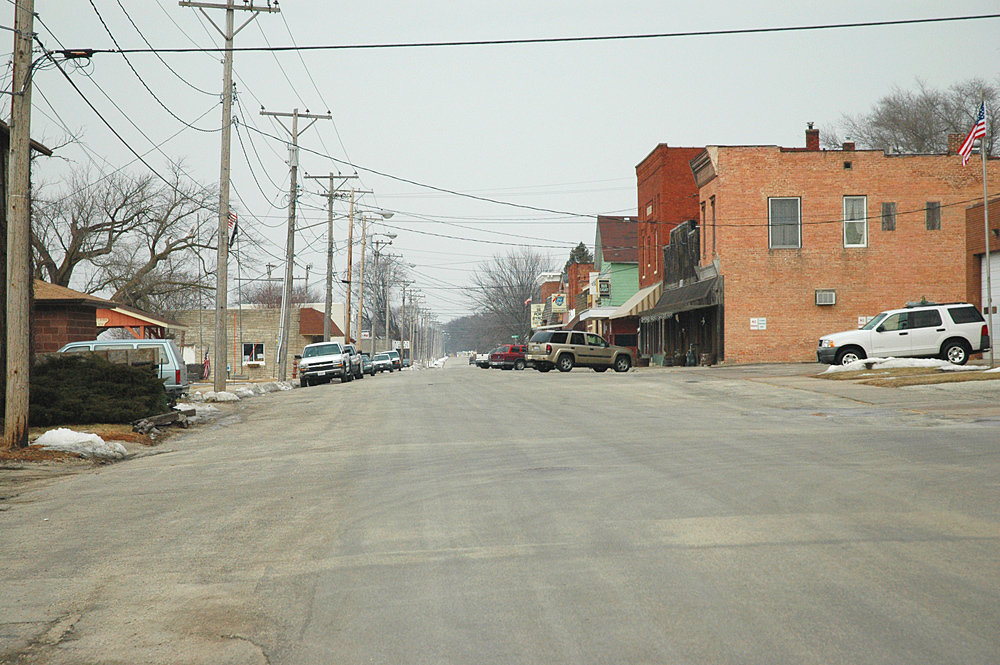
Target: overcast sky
{"points": [[553, 126]]}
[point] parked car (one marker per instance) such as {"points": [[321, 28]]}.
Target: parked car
{"points": [[472, 358], [566, 349], [483, 359], [508, 356], [322, 362], [950, 331], [397, 362], [382, 362], [367, 366], [356, 367], [170, 365]]}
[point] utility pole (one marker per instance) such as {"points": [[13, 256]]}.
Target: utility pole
{"points": [[331, 194], [402, 319], [350, 265], [18, 232], [293, 164], [222, 255]]}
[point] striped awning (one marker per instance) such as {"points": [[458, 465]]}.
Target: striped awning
{"points": [[640, 301]]}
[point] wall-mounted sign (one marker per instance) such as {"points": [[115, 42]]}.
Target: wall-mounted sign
{"points": [[536, 315], [604, 287], [558, 303], [758, 324], [366, 334]]}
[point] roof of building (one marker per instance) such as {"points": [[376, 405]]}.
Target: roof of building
{"points": [[53, 293], [619, 239], [311, 323]]}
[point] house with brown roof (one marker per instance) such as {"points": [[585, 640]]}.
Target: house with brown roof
{"points": [[615, 279], [61, 315]]}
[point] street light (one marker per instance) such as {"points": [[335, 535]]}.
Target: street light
{"points": [[365, 216]]}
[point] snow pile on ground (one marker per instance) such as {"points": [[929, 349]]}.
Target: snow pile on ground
{"points": [[199, 409], [221, 396], [244, 392], [896, 363], [285, 385], [87, 445], [439, 362]]}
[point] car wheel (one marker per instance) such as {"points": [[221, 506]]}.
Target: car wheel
{"points": [[303, 382], [346, 377], [850, 354], [518, 365], [542, 368], [955, 351], [623, 364], [564, 363]]}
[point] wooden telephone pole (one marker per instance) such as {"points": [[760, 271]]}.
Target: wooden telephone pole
{"points": [[331, 194], [293, 165], [18, 232], [222, 255]]}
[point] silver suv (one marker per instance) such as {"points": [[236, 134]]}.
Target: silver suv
{"points": [[950, 331], [566, 349]]}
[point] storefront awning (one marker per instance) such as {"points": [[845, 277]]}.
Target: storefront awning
{"points": [[705, 293], [598, 313], [641, 300]]}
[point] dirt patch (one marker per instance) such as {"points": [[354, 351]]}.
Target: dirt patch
{"points": [[910, 376]]}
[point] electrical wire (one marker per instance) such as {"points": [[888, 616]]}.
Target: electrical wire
{"points": [[143, 82], [592, 38]]}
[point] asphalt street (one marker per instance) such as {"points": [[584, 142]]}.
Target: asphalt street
{"points": [[702, 515]]}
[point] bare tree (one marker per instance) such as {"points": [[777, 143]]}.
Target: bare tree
{"points": [[501, 287], [72, 229], [134, 236], [920, 120], [268, 292]]}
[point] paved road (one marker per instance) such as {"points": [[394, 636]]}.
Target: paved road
{"points": [[747, 515]]}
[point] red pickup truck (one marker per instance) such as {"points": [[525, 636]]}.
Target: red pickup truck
{"points": [[508, 356]]}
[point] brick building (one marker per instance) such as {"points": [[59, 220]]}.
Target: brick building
{"points": [[252, 332], [60, 316], [667, 195], [806, 241]]}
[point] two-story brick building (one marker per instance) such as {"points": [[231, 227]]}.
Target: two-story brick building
{"points": [[804, 241]]}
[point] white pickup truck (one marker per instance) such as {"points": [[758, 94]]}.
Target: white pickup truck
{"points": [[324, 361]]}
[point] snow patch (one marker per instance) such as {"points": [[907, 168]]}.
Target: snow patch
{"points": [[88, 445], [243, 392], [896, 363], [221, 396]]}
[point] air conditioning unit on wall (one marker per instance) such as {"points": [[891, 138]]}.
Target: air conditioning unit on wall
{"points": [[826, 297]]}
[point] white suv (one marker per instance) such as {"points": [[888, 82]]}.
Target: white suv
{"points": [[950, 331]]}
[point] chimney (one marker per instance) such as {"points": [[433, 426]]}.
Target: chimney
{"points": [[812, 138], [848, 146], [954, 143]]}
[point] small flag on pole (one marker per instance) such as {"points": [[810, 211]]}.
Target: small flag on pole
{"points": [[233, 225], [978, 132], [528, 301]]}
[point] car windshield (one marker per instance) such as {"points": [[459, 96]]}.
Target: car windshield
{"points": [[871, 325], [321, 350], [541, 336], [381, 356]]}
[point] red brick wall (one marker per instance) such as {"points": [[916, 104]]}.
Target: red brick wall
{"points": [[897, 266], [57, 325], [976, 250], [667, 196]]}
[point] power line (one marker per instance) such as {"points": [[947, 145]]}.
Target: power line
{"points": [[564, 40]]}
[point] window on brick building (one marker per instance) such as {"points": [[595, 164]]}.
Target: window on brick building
{"points": [[253, 352], [784, 222], [933, 216], [704, 245], [855, 221], [888, 216], [711, 200]]}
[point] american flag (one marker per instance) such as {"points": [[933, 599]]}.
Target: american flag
{"points": [[978, 132], [232, 227]]}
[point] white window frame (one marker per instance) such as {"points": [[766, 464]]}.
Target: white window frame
{"points": [[250, 359], [770, 223], [863, 222]]}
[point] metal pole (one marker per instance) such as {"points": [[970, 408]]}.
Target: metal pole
{"points": [[18, 233], [986, 239]]}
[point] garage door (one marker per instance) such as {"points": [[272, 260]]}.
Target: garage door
{"points": [[995, 278]]}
